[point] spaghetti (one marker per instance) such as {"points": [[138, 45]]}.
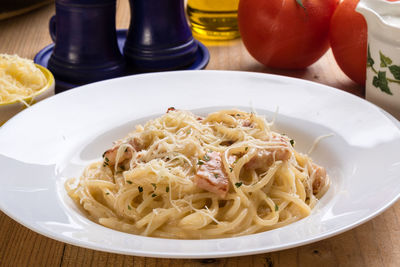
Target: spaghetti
{"points": [[187, 177]]}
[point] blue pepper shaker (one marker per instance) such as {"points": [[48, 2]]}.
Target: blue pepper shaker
{"points": [[159, 37], [86, 47]]}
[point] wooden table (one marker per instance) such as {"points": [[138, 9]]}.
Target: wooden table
{"points": [[375, 243]]}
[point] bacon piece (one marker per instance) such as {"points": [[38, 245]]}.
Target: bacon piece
{"points": [[171, 109], [211, 175], [247, 123], [265, 157], [111, 154], [320, 178]]}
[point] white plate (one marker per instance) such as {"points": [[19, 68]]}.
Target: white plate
{"points": [[55, 139]]}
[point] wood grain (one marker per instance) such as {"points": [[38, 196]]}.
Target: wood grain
{"points": [[375, 243]]}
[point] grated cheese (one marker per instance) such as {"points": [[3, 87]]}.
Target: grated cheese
{"points": [[19, 78]]}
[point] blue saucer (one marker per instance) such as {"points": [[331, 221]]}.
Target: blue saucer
{"points": [[42, 58]]}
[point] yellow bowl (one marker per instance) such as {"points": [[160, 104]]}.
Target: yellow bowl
{"points": [[9, 109]]}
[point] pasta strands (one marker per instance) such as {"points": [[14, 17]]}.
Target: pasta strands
{"points": [[147, 183]]}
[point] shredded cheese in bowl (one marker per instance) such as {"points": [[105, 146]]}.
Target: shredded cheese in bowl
{"points": [[19, 79]]}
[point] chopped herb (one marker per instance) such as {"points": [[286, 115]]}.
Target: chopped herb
{"points": [[238, 115], [230, 168], [189, 131], [167, 189], [153, 195], [206, 157], [104, 165], [122, 167], [107, 193], [129, 182], [129, 207], [216, 175], [200, 162], [292, 142], [154, 185], [238, 184], [104, 154], [140, 189], [276, 207], [236, 161], [246, 148], [106, 159]]}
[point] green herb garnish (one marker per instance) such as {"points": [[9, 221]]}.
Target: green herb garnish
{"points": [[129, 207], [153, 195], [129, 182], [230, 168], [216, 175], [140, 189], [246, 148], [292, 142], [167, 189], [276, 207], [154, 185], [200, 162], [238, 184], [206, 157]]}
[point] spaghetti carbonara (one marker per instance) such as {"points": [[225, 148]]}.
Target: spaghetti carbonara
{"points": [[189, 177]]}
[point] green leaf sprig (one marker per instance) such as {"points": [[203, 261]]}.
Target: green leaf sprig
{"points": [[380, 80]]}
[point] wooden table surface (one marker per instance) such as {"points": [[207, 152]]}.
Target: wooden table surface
{"points": [[375, 243]]}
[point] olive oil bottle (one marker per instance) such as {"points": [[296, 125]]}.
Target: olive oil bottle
{"points": [[213, 19]]}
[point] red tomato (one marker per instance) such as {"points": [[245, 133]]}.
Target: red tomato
{"points": [[281, 34], [348, 37]]}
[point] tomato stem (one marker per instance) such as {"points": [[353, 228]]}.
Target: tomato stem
{"points": [[300, 3]]}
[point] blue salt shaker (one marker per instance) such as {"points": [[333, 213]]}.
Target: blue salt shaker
{"points": [[86, 48], [159, 37]]}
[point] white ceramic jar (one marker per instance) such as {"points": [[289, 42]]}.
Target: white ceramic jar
{"points": [[383, 58]]}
